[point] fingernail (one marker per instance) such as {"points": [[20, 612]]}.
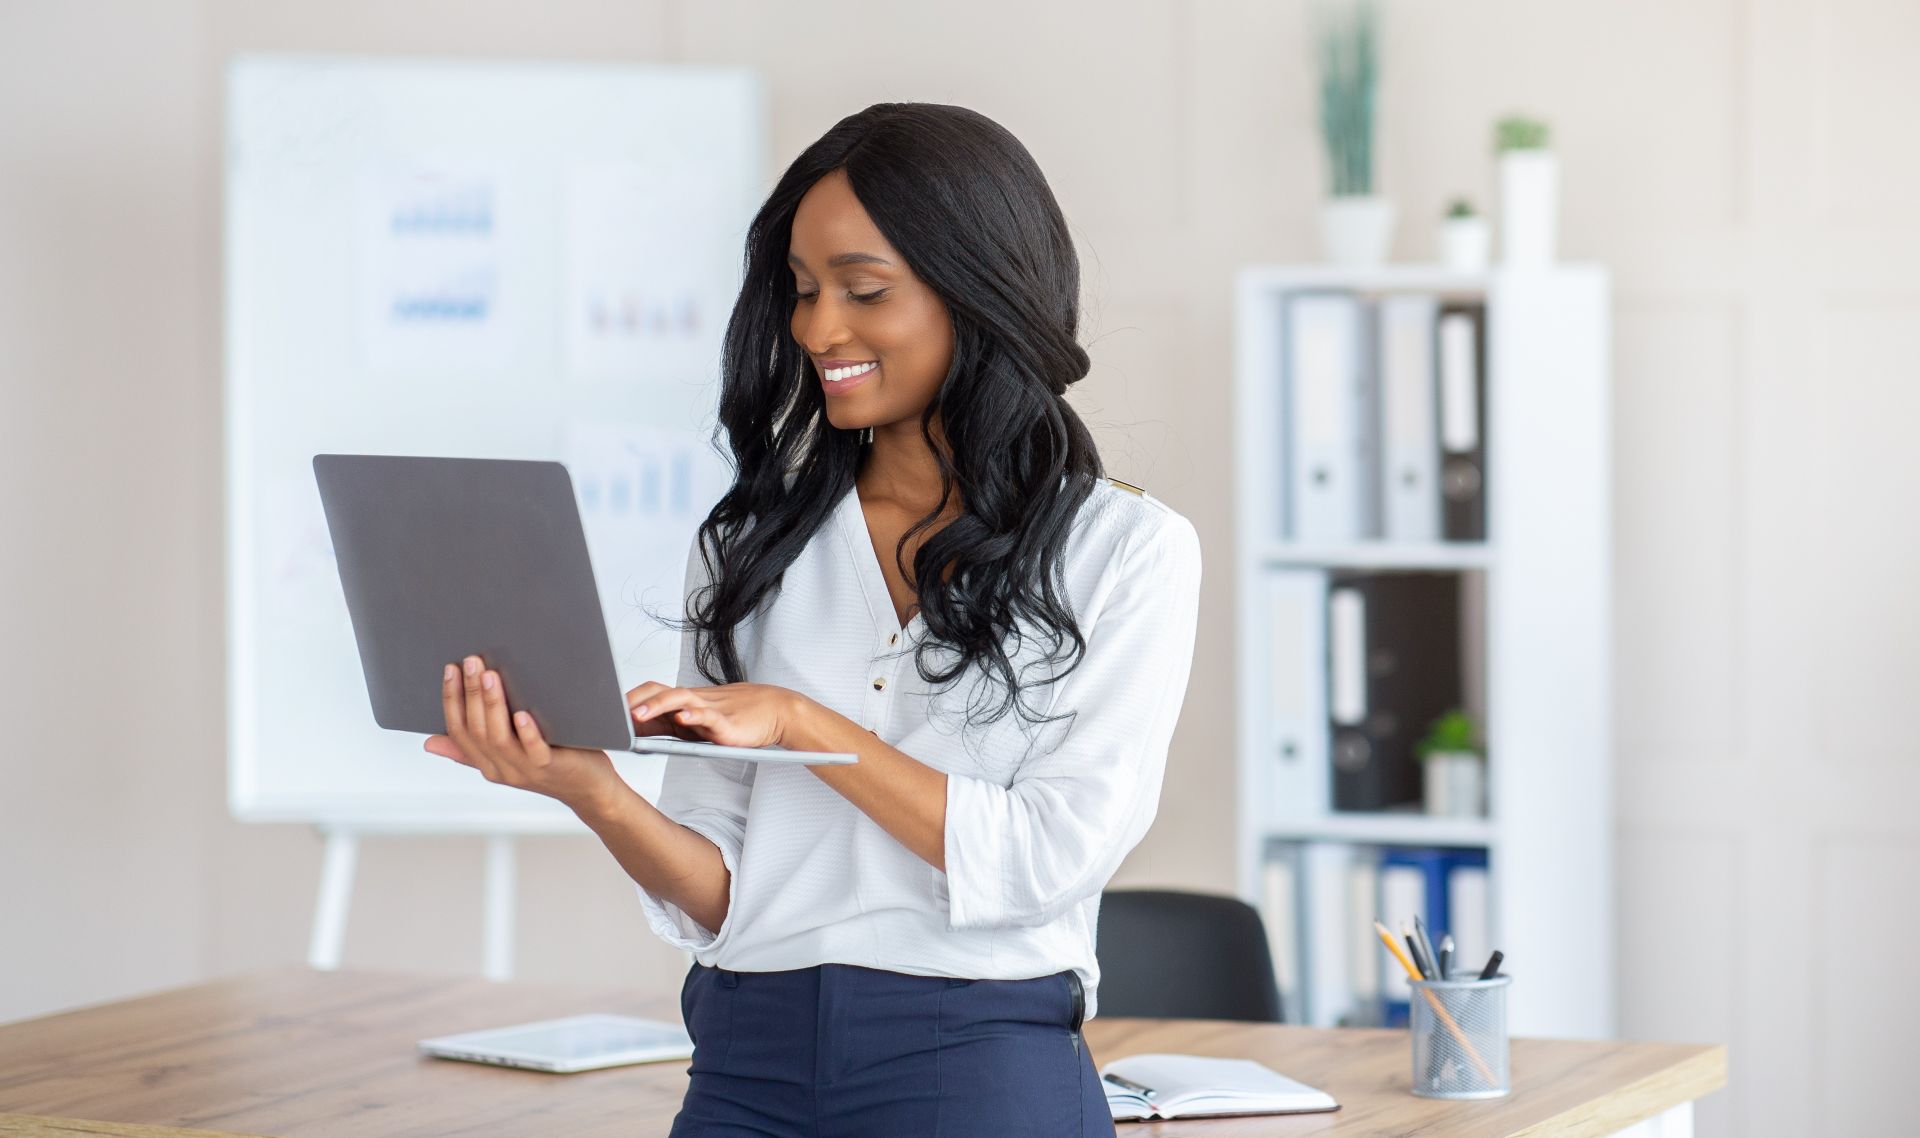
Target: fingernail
{"points": [[450, 672], [486, 681], [641, 710], [473, 665]]}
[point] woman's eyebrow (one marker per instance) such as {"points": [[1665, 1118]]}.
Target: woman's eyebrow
{"points": [[839, 259]]}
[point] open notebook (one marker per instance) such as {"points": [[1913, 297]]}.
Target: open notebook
{"points": [[1182, 1086]]}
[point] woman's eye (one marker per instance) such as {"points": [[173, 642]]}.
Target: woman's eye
{"points": [[864, 298]]}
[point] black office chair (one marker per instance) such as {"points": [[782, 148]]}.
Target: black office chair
{"points": [[1174, 955]]}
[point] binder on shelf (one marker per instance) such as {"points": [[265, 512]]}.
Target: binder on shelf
{"points": [[1329, 419], [1326, 867], [1469, 907], [1362, 909], [1394, 666], [1280, 915], [1462, 387], [1297, 605], [1409, 427]]}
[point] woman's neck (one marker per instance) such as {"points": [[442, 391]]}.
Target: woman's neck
{"points": [[901, 469]]}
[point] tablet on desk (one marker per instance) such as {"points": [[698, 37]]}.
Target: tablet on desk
{"points": [[574, 1043], [445, 557]]}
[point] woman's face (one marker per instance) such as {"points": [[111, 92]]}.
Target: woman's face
{"points": [[858, 304]]}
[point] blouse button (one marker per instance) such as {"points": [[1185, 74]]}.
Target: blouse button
{"points": [[893, 639], [879, 685]]}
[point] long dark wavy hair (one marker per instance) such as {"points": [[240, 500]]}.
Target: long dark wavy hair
{"points": [[966, 205]]}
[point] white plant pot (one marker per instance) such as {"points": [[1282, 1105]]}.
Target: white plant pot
{"points": [[1464, 243], [1357, 231], [1456, 784], [1529, 206]]}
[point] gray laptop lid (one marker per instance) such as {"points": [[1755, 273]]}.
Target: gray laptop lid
{"points": [[443, 557]]}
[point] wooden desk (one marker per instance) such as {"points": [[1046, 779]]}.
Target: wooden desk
{"points": [[298, 1052]]}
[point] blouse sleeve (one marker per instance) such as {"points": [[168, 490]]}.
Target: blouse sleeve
{"points": [[708, 796], [1024, 854]]}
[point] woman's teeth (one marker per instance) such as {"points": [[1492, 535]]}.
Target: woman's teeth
{"points": [[836, 374]]}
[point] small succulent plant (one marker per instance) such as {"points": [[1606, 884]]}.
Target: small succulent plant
{"points": [[1452, 732], [1517, 132], [1461, 207]]}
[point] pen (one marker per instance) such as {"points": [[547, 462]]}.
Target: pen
{"points": [[1493, 966], [1420, 961], [1145, 1091], [1435, 972], [1446, 956], [1413, 950]]}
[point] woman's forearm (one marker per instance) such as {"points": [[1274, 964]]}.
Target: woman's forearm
{"points": [[667, 859], [905, 796]]}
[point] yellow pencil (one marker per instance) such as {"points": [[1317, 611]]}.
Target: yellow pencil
{"points": [[1413, 973]]}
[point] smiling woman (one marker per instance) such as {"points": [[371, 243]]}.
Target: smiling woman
{"points": [[923, 242], [921, 562]]}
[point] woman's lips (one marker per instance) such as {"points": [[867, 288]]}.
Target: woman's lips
{"points": [[842, 386]]}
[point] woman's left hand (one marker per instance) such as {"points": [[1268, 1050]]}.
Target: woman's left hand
{"points": [[733, 715]]}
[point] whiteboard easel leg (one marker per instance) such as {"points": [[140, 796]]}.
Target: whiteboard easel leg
{"points": [[336, 890], [499, 911]]}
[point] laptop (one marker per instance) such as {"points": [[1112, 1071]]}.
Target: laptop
{"points": [[442, 558], [573, 1043]]}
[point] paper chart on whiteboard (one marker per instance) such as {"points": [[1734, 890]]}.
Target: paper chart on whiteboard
{"points": [[642, 294], [431, 245]]}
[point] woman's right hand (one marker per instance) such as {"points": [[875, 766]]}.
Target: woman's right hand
{"points": [[658, 725]]}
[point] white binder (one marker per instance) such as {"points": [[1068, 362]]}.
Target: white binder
{"points": [[1280, 915], [1403, 896], [1331, 424], [1297, 642], [1409, 432], [1326, 869], [1468, 898]]}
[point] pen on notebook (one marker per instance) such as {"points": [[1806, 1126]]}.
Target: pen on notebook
{"points": [[1145, 1091], [1493, 966]]}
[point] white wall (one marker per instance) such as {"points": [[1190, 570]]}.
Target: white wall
{"points": [[1743, 165]]}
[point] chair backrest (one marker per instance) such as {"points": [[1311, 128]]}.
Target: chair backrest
{"points": [[1174, 955]]}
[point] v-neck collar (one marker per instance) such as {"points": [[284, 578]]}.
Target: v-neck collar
{"points": [[873, 578]]}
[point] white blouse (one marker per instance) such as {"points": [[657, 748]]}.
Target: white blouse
{"points": [[1038, 817]]}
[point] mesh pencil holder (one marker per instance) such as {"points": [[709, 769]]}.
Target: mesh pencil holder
{"points": [[1459, 1032]]}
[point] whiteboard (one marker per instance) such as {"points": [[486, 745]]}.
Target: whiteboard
{"points": [[466, 259]]}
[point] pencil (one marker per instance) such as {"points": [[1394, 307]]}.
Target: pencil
{"points": [[1413, 973]]}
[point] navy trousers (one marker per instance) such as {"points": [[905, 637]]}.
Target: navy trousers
{"points": [[842, 1051]]}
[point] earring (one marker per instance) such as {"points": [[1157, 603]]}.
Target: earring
{"points": [[866, 434]]}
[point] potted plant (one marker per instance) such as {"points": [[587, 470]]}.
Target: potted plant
{"points": [[1455, 769], [1529, 191], [1464, 238], [1356, 225]]}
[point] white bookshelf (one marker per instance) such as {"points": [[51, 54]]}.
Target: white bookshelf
{"points": [[1544, 655]]}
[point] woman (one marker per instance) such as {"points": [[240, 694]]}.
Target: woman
{"points": [[920, 562]]}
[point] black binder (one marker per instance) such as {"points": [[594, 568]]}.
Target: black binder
{"points": [[1409, 655], [1462, 400]]}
